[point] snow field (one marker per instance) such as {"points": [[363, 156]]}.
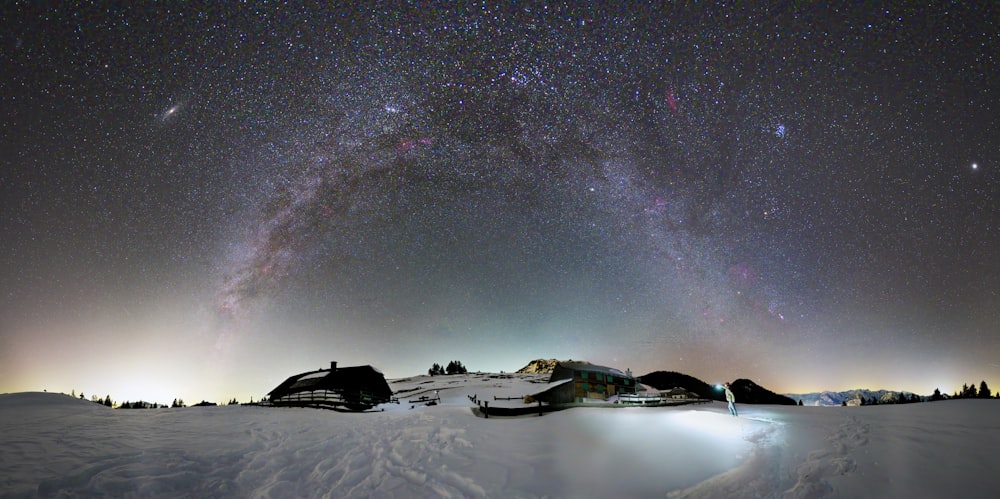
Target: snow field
{"points": [[54, 445]]}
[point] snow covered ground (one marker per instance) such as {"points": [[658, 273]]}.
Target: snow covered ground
{"points": [[55, 445]]}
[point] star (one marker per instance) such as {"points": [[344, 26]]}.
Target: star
{"points": [[507, 180]]}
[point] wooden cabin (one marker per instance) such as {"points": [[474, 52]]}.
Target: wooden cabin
{"points": [[582, 382], [678, 393], [354, 388]]}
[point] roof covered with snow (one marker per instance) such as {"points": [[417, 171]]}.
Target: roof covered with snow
{"points": [[353, 378], [588, 367]]}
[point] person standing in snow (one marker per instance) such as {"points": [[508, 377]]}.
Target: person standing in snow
{"points": [[731, 399]]}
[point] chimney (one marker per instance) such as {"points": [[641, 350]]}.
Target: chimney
{"points": [[333, 365]]}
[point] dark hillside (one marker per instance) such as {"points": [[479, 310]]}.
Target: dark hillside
{"points": [[665, 380], [746, 391]]}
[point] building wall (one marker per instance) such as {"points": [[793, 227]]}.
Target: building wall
{"points": [[563, 394], [587, 384]]}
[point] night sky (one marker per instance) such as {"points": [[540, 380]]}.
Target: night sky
{"points": [[198, 202]]}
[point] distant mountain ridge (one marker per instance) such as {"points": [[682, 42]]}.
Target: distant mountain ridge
{"points": [[849, 397]]}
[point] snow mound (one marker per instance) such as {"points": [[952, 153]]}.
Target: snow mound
{"points": [[27, 401]]}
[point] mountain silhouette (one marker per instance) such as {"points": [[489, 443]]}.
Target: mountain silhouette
{"points": [[746, 391]]}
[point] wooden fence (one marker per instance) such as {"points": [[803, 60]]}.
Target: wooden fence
{"points": [[327, 399]]}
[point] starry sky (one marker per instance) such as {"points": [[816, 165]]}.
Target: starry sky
{"points": [[201, 200]]}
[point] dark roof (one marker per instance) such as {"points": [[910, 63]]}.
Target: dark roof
{"points": [[354, 378]]}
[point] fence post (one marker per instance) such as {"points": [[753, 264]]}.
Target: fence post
{"points": [[486, 404], [539, 407]]}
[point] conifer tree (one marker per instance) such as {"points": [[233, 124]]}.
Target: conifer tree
{"points": [[984, 391], [972, 391]]}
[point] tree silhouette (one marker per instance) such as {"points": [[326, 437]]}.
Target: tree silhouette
{"points": [[456, 367], [984, 391]]}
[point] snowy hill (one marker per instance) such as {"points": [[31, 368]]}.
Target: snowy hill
{"points": [[13, 402], [456, 389], [54, 445], [542, 366], [850, 397]]}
